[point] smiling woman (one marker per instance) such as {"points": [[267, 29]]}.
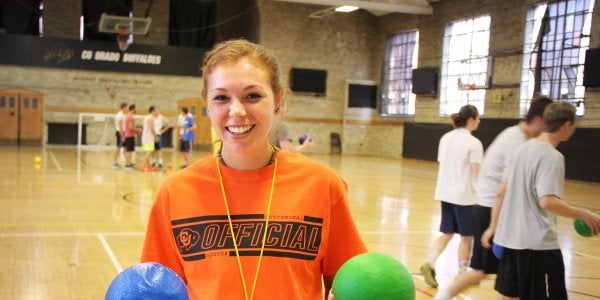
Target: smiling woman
{"points": [[247, 197]]}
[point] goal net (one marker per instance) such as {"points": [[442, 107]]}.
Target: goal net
{"points": [[96, 131]]}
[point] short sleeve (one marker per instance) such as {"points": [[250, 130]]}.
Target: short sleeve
{"points": [[344, 240], [476, 151], [549, 178]]}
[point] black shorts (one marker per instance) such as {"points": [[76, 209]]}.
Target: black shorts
{"points": [[531, 274], [119, 139], [185, 146], [481, 258], [456, 219], [130, 144], [158, 143]]}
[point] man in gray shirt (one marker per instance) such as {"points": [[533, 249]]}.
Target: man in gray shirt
{"points": [[525, 212]]}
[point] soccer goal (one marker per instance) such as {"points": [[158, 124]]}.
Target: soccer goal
{"points": [[96, 131]]}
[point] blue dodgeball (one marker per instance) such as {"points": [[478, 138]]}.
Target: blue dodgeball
{"points": [[151, 281], [498, 250]]}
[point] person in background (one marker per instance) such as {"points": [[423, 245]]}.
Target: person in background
{"points": [[459, 156], [495, 163], [187, 137], [161, 125], [524, 215], [149, 137], [280, 137], [222, 223], [129, 137], [119, 133]]}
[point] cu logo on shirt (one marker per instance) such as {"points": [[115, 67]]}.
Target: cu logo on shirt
{"points": [[187, 238]]}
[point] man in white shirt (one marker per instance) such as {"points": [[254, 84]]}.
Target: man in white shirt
{"points": [[120, 130]]}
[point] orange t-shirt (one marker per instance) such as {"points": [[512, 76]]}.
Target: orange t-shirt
{"points": [[311, 232]]}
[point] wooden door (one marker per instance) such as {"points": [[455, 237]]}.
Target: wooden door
{"points": [[197, 107], [31, 118], [21, 117], [9, 117]]}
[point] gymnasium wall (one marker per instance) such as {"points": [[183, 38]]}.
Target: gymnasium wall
{"points": [[349, 46]]}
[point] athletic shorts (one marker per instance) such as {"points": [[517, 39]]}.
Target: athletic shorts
{"points": [[130, 144], [119, 139], [456, 219], [148, 147], [482, 259], [531, 274], [158, 143], [185, 146]]}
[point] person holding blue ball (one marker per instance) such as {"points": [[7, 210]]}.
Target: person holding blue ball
{"points": [[252, 221], [524, 216]]}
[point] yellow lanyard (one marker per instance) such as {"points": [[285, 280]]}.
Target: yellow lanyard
{"points": [[262, 247]]}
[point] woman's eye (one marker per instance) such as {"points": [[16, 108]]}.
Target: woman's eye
{"points": [[254, 96], [220, 98]]}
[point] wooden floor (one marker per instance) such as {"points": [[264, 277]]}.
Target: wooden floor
{"points": [[69, 225]]}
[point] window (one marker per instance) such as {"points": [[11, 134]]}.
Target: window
{"points": [[396, 75], [465, 64], [556, 38]]}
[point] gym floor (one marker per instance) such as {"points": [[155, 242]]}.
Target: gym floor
{"points": [[68, 225]]}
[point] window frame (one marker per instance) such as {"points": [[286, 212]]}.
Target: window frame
{"points": [[466, 63]]}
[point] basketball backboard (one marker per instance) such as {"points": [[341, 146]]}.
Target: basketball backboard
{"points": [[115, 24]]}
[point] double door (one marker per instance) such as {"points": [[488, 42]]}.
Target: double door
{"points": [[21, 117]]}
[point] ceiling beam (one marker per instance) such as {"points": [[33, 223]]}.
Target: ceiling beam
{"points": [[421, 9]]}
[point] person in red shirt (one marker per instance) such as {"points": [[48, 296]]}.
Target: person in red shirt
{"points": [[253, 221], [129, 137]]}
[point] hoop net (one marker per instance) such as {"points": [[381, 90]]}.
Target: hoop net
{"points": [[123, 39]]}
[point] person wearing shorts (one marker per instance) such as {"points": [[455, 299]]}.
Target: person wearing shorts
{"points": [[524, 215], [161, 124], [119, 132], [459, 157], [130, 132], [187, 137], [149, 137], [495, 162]]}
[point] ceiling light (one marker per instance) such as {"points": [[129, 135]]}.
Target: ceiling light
{"points": [[346, 8]]}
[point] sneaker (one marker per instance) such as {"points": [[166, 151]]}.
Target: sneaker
{"points": [[429, 274], [183, 167], [147, 169], [116, 166], [129, 167], [160, 166]]}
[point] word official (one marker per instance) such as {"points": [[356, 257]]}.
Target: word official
{"points": [[131, 58]]}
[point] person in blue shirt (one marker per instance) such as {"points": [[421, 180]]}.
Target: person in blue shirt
{"points": [[187, 136]]}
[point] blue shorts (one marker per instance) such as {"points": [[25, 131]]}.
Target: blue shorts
{"points": [[457, 219], [158, 143]]}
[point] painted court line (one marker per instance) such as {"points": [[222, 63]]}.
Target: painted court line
{"points": [[110, 253], [55, 161]]}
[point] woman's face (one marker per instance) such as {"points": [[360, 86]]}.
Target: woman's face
{"points": [[241, 105], [473, 123]]}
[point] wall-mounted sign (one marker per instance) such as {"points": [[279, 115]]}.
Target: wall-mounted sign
{"points": [[24, 50]]}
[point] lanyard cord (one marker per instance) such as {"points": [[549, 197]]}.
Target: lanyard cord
{"points": [[264, 238]]}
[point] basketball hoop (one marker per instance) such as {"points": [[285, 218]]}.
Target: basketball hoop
{"points": [[123, 39], [466, 86]]}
